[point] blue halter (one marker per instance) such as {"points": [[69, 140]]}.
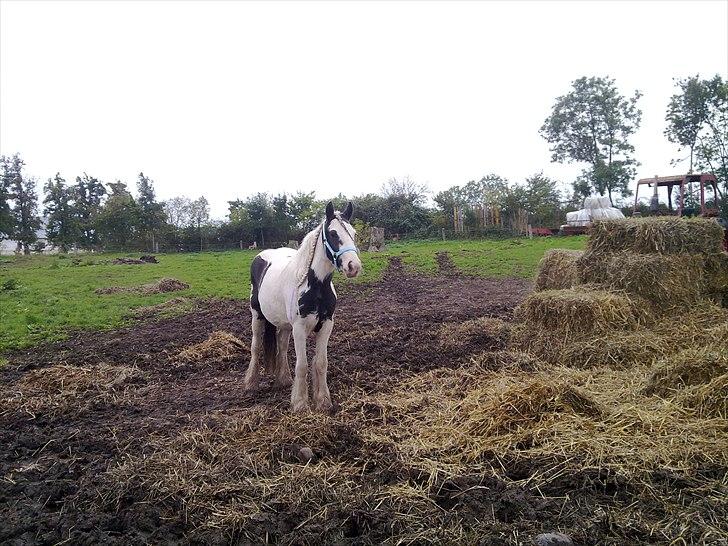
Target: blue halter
{"points": [[337, 254]]}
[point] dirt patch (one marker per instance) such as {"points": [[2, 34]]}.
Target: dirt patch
{"points": [[159, 287], [445, 265]]}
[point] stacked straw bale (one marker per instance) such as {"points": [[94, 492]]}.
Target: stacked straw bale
{"points": [[642, 287]]}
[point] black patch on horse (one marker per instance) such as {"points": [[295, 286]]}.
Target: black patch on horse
{"points": [[258, 269], [318, 298]]}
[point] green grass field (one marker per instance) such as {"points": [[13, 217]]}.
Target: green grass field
{"points": [[43, 298]]}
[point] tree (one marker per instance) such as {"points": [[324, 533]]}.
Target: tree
{"points": [[61, 221], [178, 211], [6, 216], [151, 213], [24, 212], [118, 220], [200, 215], [88, 194], [686, 116], [593, 124]]}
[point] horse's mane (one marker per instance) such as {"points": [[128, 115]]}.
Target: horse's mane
{"points": [[304, 256]]}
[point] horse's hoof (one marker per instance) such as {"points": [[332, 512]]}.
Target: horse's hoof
{"points": [[299, 407], [250, 386], [325, 406]]}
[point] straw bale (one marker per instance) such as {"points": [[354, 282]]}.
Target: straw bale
{"points": [[558, 270], [580, 311], [507, 360], [666, 235], [219, 346], [665, 280]]}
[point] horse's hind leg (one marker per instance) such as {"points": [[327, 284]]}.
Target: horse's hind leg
{"points": [[252, 377], [321, 394], [283, 372]]}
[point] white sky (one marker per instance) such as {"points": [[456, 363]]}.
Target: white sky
{"points": [[227, 99]]}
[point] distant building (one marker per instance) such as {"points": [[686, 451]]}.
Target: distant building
{"points": [[9, 246]]}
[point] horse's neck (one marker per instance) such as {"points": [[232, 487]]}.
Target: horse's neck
{"points": [[311, 255]]}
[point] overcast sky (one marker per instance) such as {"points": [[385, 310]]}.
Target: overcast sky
{"points": [[227, 99]]}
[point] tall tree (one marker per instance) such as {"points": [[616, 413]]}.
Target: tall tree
{"points": [[24, 212], [593, 124], [151, 213], [88, 194], [200, 215], [686, 117], [6, 217], [118, 220], [61, 221]]}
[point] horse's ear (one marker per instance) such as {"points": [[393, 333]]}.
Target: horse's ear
{"points": [[346, 215], [330, 211]]}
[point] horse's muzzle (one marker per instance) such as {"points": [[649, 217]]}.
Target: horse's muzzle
{"points": [[352, 268]]}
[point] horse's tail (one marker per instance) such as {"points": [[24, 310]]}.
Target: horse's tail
{"points": [[270, 347]]}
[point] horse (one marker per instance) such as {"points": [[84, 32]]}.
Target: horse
{"points": [[291, 291]]}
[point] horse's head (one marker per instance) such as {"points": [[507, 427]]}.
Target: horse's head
{"points": [[339, 240]]}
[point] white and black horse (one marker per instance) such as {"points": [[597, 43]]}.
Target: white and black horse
{"points": [[292, 291]]}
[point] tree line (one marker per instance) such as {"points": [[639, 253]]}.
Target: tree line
{"points": [[591, 125]]}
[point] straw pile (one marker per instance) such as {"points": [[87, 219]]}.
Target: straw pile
{"points": [[644, 289], [65, 389], [161, 286], [222, 346], [558, 270], [480, 333]]}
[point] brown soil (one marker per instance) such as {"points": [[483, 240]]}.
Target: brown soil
{"points": [[107, 463], [445, 265]]}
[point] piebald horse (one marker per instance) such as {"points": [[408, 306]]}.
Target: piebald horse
{"points": [[291, 292]]}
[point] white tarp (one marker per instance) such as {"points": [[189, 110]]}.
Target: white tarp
{"points": [[595, 208]]}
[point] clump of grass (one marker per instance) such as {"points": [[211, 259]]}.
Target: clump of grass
{"points": [[665, 235], [558, 270], [9, 284], [219, 346], [159, 287]]}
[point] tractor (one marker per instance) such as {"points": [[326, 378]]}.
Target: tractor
{"points": [[696, 195]]}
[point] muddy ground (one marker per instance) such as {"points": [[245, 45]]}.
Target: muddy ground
{"points": [[60, 446]]}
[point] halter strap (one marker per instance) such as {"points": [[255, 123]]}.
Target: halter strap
{"points": [[335, 255]]}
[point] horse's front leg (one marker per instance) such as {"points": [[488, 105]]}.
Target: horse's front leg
{"points": [[299, 393], [321, 395]]}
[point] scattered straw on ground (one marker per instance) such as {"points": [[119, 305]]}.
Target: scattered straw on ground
{"points": [[693, 366], [557, 270], [64, 389], [480, 333], [219, 346], [162, 285]]}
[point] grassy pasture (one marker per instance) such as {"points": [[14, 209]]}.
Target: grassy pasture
{"points": [[42, 298]]}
